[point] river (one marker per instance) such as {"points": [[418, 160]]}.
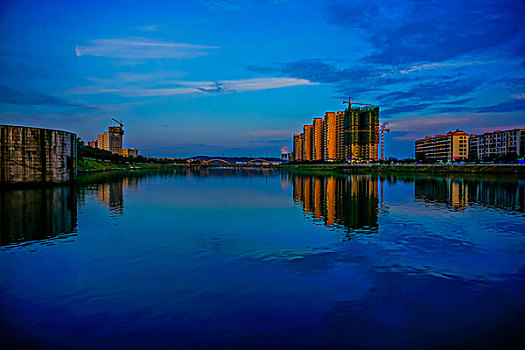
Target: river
{"points": [[263, 259]]}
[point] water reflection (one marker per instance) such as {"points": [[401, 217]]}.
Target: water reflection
{"points": [[186, 243], [112, 194], [349, 202], [37, 213], [109, 188], [460, 192]]}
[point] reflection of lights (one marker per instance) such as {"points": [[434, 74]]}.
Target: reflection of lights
{"points": [[347, 202], [460, 193]]}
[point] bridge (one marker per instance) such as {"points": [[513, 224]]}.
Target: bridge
{"points": [[250, 163]]}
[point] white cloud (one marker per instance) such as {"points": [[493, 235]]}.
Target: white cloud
{"points": [[142, 48], [520, 96], [432, 66], [189, 87]]}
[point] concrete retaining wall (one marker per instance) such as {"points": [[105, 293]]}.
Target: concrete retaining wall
{"points": [[34, 155]]}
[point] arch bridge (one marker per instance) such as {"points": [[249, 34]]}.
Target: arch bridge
{"points": [[216, 160], [222, 162]]}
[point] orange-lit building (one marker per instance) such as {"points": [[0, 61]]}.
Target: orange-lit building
{"points": [[331, 136], [318, 153], [352, 134], [308, 131], [340, 122], [298, 147]]}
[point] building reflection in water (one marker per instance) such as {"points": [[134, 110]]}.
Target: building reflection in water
{"points": [[109, 190], [349, 202], [112, 196], [459, 193], [37, 213]]}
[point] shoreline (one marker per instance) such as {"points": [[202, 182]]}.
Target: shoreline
{"points": [[480, 169], [91, 166]]}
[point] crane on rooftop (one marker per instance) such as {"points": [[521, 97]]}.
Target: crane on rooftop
{"points": [[118, 122], [350, 103]]}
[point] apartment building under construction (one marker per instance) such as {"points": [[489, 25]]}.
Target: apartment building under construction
{"points": [[361, 135], [112, 140], [349, 135]]}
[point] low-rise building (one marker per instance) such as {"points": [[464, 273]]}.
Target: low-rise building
{"points": [[443, 148], [497, 143], [129, 152]]}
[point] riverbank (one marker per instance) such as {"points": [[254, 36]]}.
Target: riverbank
{"points": [[510, 169], [88, 166]]}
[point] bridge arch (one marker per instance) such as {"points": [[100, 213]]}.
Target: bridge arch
{"points": [[257, 159], [216, 160]]}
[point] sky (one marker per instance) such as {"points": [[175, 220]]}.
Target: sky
{"points": [[238, 78]]}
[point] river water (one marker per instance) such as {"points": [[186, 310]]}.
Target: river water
{"points": [[259, 259]]}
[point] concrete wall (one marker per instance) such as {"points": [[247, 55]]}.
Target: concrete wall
{"points": [[34, 155]]}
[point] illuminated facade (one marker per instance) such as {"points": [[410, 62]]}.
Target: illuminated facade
{"points": [[129, 152], [319, 143], [443, 148], [331, 136], [298, 147], [351, 135], [111, 140], [308, 131]]}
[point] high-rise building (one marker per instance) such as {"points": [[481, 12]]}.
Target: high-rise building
{"points": [[350, 134], [497, 144], [443, 148], [298, 147], [340, 122], [318, 153], [111, 140], [331, 136], [361, 133], [308, 131]]}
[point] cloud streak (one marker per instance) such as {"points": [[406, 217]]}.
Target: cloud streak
{"points": [[201, 87], [437, 65], [142, 48]]}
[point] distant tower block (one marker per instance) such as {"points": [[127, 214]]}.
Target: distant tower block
{"points": [[112, 139]]}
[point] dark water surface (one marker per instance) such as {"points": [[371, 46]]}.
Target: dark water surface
{"points": [[258, 259]]}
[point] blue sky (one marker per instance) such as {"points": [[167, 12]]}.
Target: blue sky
{"points": [[240, 77]]}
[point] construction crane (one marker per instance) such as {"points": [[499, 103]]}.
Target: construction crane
{"points": [[119, 123], [383, 129], [350, 103]]}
